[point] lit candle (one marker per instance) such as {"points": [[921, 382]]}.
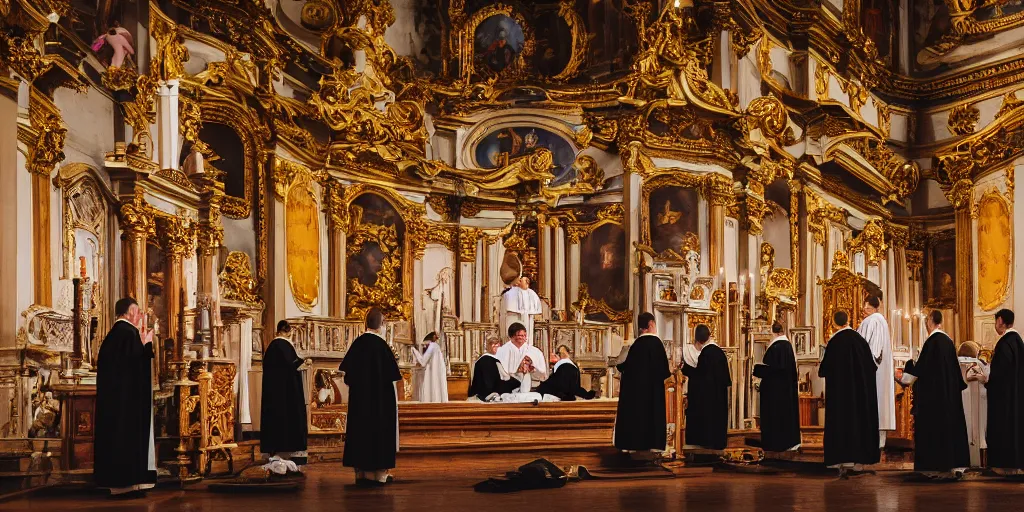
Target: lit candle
{"points": [[82, 271]]}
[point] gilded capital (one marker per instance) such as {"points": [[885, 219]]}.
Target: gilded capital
{"points": [[209, 237], [334, 206], [48, 150], [136, 217], [177, 235], [468, 238], [718, 189]]}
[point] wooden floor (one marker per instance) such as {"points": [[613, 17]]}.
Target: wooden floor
{"points": [[330, 487]]}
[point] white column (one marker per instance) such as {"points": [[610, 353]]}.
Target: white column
{"points": [[574, 273], [167, 125], [560, 265], [546, 265]]}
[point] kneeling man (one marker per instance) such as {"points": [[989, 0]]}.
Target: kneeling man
{"points": [[564, 381], [490, 378]]}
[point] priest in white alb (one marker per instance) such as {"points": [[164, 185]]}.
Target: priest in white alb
{"points": [[431, 374], [875, 330], [520, 305], [975, 398], [514, 353]]}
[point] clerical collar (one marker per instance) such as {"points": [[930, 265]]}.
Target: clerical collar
{"points": [[647, 334], [842, 329], [1008, 331], [937, 331], [125, 320], [561, 362], [709, 342], [377, 334], [777, 338], [485, 354]]}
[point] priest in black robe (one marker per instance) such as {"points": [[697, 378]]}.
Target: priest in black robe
{"points": [[851, 403], [780, 403], [640, 417], [1005, 387], [371, 436], [123, 444], [564, 381], [490, 378], [940, 427], [283, 414], [707, 393]]}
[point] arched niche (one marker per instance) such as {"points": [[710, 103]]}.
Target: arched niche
{"points": [[492, 143], [229, 155]]}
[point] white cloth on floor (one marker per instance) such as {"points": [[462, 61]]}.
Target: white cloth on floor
{"points": [[520, 398], [280, 466]]}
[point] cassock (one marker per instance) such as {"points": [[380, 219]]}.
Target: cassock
{"points": [[124, 447], [489, 377], [432, 382], [851, 401], [940, 428], [780, 403], [640, 417], [875, 331], [520, 306], [707, 398], [564, 383], [371, 435], [975, 399], [512, 356], [1005, 389], [283, 415]]}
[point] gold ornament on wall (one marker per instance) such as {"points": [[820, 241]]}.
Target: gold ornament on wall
{"points": [[995, 249], [302, 241], [821, 80], [963, 119], [236, 279]]}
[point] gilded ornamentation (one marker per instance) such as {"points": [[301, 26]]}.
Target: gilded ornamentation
{"points": [[871, 241], [884, 120], [840, 260], [903, 175], [742, 40], [48, 149], [21, 55], [236, 280], [172, 51], [468, 238], [386, 293], [995, 249], [858, 95], [177, 235], [821, 81], [1009, 104], [764, 57], [439, 203], [302, 240], [190, 119], [334, 205], [963, 119], [769, 115], [958, 180], [819, 213], [587, 305], [1009, 183], [580, 40], [915, 260]]}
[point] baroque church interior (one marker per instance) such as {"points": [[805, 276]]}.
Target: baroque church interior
{"points": [[735, 163]]}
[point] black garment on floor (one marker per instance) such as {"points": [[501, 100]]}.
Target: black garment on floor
{"points": [[487, 379], [707, 399], [283, 414], [1005, 435], [124, 409], [565, 384], [539, 474], [851, 401], [780, 402], [640, 417], [940, 427], [371, 436]]}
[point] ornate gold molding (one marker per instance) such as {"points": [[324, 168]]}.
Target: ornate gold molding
{"points": [[963, 119], [822, 77], [819, 213], [871, 241], [177, 235], [236, 280]]}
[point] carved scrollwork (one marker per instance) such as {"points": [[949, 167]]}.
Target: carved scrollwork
{"points": [[871, 241], [963, 119], [236, 280]]}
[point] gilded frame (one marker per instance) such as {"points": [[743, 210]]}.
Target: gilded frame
{"points": [[580, 41], [465, 42], [993, 195], [231, 115], [667, 178], [289, 175], [932, 302], [576, 232]]}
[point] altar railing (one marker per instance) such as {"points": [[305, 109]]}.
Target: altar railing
{"points": [[324, 337]]}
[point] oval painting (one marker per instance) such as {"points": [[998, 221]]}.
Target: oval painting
{"points": [[501, 146], [498, 41], [302, 243], [995, 246]]}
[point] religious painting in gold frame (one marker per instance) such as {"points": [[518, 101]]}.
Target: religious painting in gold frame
{"points": [[941, 273], [374, 263], [302, 241], [603, 291], [995, 249], [495, 41], [670, 215]]}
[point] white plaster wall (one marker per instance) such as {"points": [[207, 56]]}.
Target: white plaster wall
{"points": [[239, 235], [732, 270], [89, 117], [776, 232], [402, 35], [898, 127], [748, 79], [435, 259]]}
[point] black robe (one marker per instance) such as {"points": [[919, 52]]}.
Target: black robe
{"points": [[565, 384], [283, 414], [707, 399], [487, 379], [940, 427], [780, 403], [1005, 387], [851, 401], [371, 435], [124, 409], [640, 417]]}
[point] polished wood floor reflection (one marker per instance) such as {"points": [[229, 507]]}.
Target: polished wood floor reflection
{"points": [[329, 487]]}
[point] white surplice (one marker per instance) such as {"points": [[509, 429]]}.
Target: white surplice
{"points": [[520, 306], [432, 382], [975, 400], [511, 357], [875, 330]]}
